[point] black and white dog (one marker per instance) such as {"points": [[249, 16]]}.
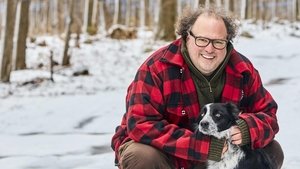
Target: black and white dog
{"points": [[217, 119]]}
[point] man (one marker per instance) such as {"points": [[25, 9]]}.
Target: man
{"points": [[173, 84]]}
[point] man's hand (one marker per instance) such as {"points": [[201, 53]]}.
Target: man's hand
{"points": [[225, 148], [236, 135]]}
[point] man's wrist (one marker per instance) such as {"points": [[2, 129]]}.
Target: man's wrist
{"points": [[215, 149], [245, 131]]}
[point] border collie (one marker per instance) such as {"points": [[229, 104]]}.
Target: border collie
{"points": [[217, 119]]}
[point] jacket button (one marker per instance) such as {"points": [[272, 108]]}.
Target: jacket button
{"points": [[183, 112]]}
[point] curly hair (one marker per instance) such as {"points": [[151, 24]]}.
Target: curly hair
{"points": [[189, 17]]}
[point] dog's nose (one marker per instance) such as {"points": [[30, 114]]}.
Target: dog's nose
{"points": [[204, 124]]}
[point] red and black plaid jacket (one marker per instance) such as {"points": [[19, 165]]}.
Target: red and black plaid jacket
{"points": [[162, 106]]}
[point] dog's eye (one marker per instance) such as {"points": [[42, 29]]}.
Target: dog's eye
{"points": [[218, 115]]}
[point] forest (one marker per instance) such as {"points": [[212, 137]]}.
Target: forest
{"points": [[65, 67], [22, 21]]}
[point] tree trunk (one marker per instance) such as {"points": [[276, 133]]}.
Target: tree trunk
{"points": [[88, 23], [248, 12], [108, 16], [116, 12], [231, 6], [60, 16], [136, 15], [22, 35], [202, 2], [195, 4], [102, 23], [298, 10], [243, 9], [255, 10], [294, 10], [94, 13], [66, 57], [121, 18], [49, 18], [167, 19], [148, 18], [6, 64], [218, 3], [128, 13], [142, 13]]}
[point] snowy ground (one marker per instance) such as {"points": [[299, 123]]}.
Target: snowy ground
{"points": [[68, 124]]}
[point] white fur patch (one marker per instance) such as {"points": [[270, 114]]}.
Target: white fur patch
{"points": [[230, 159]]}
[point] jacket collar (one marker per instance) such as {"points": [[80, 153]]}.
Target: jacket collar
{"points": [[173, 54]]}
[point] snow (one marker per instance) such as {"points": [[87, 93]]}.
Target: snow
{"points": [[68, 124]]}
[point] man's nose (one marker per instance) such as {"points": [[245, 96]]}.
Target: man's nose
{"points": [[209, 48]]}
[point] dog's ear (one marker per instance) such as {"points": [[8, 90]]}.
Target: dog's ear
{"points": [[233, 109]]}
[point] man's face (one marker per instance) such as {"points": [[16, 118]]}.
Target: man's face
{"points": [[207, 58]]}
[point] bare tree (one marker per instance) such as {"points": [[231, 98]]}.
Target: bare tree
{"points": [[248, 9], [102, 22], [6, 65], [108, 16], [142, 13], [76, 26], [298, 10], [95, 16], [196, 4], [66, 57], [60, 17], [167, 19], [202, 2], [128, 13], [116, 12], [148, 18], [88, 13], [293, 11], [243, 9], [22, 35]]}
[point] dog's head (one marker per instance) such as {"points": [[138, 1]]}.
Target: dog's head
{"points": [[217, 118]]}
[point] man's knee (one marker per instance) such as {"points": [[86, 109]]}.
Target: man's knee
{"points": [[138, 155], [275, 152]]}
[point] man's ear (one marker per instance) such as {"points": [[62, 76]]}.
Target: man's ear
{"points": [[233, 109]]}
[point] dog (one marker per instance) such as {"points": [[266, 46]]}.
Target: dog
{"points": [[217, 120]]}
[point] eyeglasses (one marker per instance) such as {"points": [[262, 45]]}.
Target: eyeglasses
{"points": [[203, 42]]}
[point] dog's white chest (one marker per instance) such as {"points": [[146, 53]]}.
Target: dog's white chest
{"points": [[229, 161]]}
